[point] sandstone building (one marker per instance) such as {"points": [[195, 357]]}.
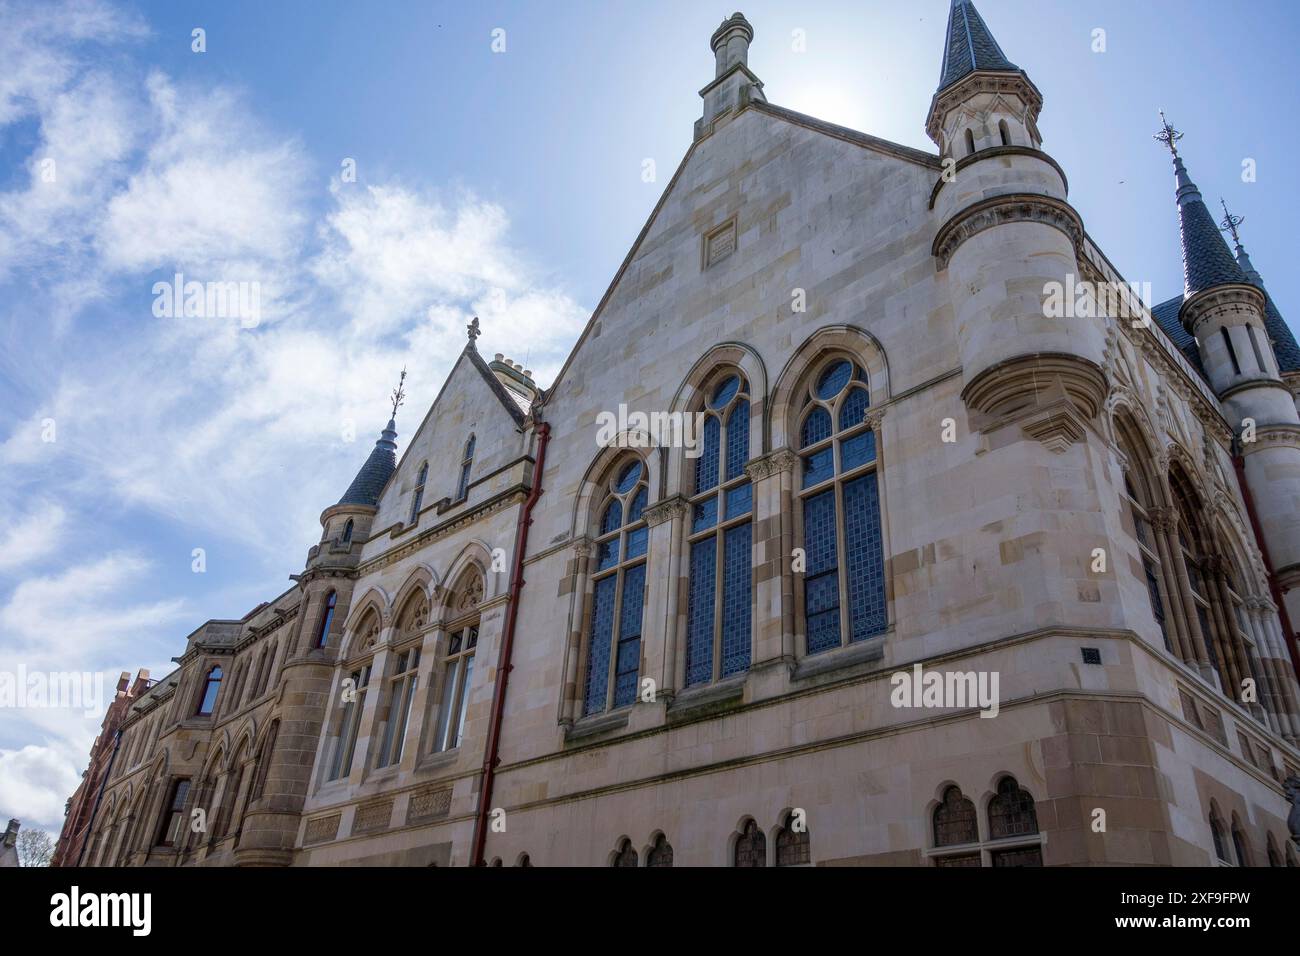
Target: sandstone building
{"points": [[519, 645]]}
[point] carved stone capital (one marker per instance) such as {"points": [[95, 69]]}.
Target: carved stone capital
{"points": [[1237, 297], [873, 417], [583, 547], [783, 459], [998, 210], [665, 510]]}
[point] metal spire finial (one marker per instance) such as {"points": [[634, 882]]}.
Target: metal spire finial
{"points": [[1168, 135], [399, 393], [1229, 223]]}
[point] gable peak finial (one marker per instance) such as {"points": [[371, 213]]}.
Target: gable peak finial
{"points": [[1168, 135], [1229, 223], [399, 393], [472, 330]]}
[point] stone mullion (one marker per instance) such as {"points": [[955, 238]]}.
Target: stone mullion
{"points": [[1270, 694], [770, 569], [577, 667], [426, 677], [658, 630], [1176, 614], [1200, 641], [1233, 661]]}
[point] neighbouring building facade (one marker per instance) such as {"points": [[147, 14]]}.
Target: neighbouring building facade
{"points": [[524, 645]]}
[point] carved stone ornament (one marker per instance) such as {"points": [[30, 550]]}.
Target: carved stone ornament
{"points": [[471, 596], [1016, 207]]}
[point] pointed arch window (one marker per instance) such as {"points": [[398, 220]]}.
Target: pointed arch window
{"points": [[1240, 845], [264, 678], [1216, 835], [970, 142], [1005, 132], [955, 822], [457, 676], [626, 855], [347, 532], [466, 463], [661, 854], [751, 847], [1137, 491], [174, 819], [844, 579], [793, 842], [356, 686], [211, 687], [618, 593], [326, 620], [401, 694], [418, 500], [718, 628]]}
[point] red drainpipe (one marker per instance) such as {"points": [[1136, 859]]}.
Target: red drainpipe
{"points": [[491, 754], [1240, 463]]}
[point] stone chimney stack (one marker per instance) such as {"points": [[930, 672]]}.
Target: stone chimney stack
{"points": [[730, 43]]}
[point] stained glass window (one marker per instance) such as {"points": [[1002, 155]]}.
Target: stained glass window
{"points": [[661, 854], [793, 843], [618, 593], [718, 618], [1011, 811], [954, 820], [751, 847], [626, 855], [844, 570]]}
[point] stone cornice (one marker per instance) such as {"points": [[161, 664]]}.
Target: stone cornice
{"points": [[983, 81], [993, 152], [999, 210], [1197, 306], [1272, 436]]}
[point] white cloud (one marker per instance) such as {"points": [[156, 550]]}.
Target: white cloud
{"points": [[35, 782], [31, 534]]}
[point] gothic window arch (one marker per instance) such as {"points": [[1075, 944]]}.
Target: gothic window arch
{"points": [[417, 500], [1274, 857], [457, 668], [1240, 845], [395, 706], [625, 855], [1140, 495], [264, 678], [618, 590], [347, 532], [718, 618], [1216, 836], [1193, 554], [751, 847], [955, 821], [211, 687], [264, 760], [793, 842], [843, 584], [1011, 811], [970, 141], [231, 813], [1004, 132], [351, 705], [466, 464], [660, 853], [326, 620]]}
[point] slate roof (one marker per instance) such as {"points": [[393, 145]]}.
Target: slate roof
{"points": [[374, 474], [970, 46], [1207, 262], [1166, 316]]}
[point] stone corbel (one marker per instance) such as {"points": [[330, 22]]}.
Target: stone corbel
{"points": [[1057, 430]]}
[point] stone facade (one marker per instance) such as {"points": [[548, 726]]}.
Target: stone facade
{"points": [[1060, 503]]}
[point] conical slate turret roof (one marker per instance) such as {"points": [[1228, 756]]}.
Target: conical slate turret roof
{"points": [[374, 474], [1284, 344], [1206, 259], [970, 46]]}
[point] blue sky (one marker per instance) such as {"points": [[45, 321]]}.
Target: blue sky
{"points": [[507, 185]]}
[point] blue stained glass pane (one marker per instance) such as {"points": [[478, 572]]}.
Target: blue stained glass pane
{"points": [[636, 542], [705, 514], [816, 427], [864, 558], [736, 546], [606, 554], [628, 477], [821, 580], [629, 636], [739, 501], [854, 407], [857, 450], [725, 392], [638, 506], [612, 518], [699, 612], [737, 440], [818, 467], [706, 466], [833, 380], [602, 633]]}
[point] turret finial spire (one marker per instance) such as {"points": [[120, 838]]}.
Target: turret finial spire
{"points": [[399, 393], [1168, 135], [1229, 223]]}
